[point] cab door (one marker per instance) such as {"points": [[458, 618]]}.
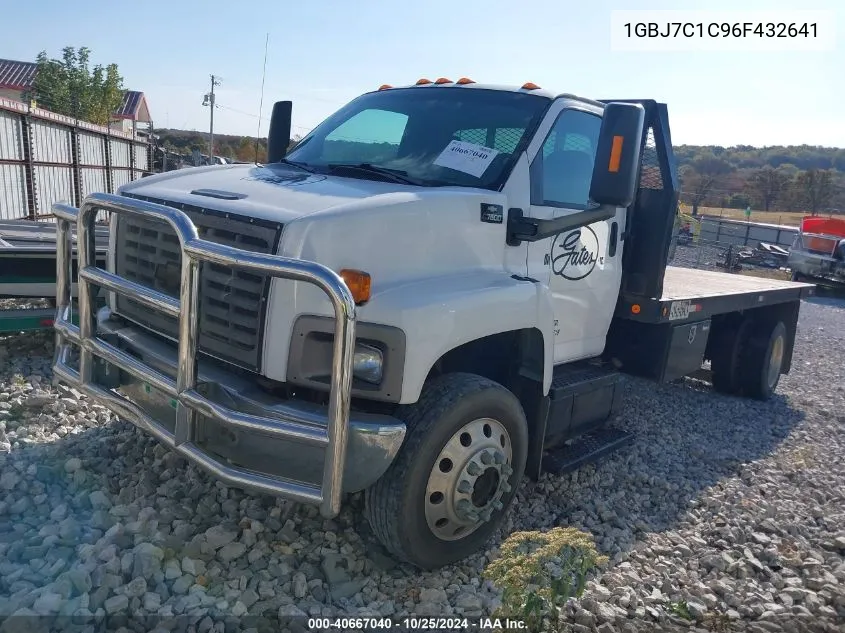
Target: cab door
{"points": [[582, 267]]}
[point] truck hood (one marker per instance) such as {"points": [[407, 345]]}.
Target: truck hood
{"points": [[278, 193]]}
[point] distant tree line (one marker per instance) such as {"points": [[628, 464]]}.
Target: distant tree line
{"points": [[795, 178], [238, 148]]}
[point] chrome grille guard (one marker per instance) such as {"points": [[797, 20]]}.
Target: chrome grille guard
{"points": [[190, 403]]}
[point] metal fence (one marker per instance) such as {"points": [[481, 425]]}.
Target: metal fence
{"points": [[744, 233], [730, 245], [47, 158]]}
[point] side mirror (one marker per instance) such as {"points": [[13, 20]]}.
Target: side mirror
{"points": [[616, 168], [278, 138]]}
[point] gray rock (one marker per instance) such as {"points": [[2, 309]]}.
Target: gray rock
{"points": [[347, 589], [48, 603], [231, 551], [468, 600], [697, 609], [136, 588], [218, 536], [182, 584], [300, 585], [332, 569], [433, 594], [99, 500], [72, 465], [9, 479], [115, 604], [148, 559], [172, 569]]}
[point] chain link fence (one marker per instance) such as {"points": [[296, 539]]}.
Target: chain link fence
{"points": [[708, 244]]}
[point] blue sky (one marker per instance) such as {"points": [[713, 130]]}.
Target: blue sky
{"points": [[322, 53]]}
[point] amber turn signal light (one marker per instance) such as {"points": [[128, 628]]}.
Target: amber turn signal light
{"points": [[359, 284]]}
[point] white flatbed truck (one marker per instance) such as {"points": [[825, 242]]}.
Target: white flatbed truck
{"points": [[428, 298]]}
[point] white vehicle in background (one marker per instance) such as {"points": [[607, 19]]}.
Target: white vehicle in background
{"points": [[426, 299], [818, 253]]}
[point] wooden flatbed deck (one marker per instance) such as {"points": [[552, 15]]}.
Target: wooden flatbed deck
{"points": [[689, 283], [691, 294]]}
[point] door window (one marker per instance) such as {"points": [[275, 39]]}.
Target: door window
{"points": [[562, 171]]}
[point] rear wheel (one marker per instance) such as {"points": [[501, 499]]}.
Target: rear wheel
{"points": [[761, 360], [456, 473], [748, 358]]}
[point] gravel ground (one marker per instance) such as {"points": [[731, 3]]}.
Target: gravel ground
{"points": [[726, 514]]}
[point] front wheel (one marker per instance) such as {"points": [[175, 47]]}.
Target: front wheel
{"points": [[456, 473]]}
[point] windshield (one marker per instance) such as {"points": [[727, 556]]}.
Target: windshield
{"points": [[428, 136]]}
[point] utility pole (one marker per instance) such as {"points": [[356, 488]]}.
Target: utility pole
{"points": [[209, 101]]}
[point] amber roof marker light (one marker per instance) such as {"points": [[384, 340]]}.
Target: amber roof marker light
{"points": [[423, 82], [443, 80], [463, 81], [385, 87], [530, 86]]}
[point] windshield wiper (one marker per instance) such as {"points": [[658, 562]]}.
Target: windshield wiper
{"points": [[292, 163], [396, 175]]}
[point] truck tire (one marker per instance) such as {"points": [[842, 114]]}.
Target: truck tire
{"points": [[456, 474], [761, 359], [724, 364]]}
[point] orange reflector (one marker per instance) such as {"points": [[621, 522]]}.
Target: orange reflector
{"points": [[463, 81], [615, 155], [423, 81], [530, 86], [46, 323], [443, 80], [358, 283], [385, 87], [635, 309]]}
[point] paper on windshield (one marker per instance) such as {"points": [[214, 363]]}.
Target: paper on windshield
{"points": [[469, 158]]}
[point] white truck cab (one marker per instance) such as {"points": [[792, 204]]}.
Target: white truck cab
{"points": [[423, 299]]}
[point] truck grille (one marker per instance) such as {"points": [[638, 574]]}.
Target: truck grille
{"points": [[233, 303]]}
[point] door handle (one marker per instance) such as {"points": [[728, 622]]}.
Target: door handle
{"points": [[614, 239]]}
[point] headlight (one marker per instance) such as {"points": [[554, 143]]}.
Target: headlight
{"points": [[367, 363]]}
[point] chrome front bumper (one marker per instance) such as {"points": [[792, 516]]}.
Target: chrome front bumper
{"points": [[203, 410]]}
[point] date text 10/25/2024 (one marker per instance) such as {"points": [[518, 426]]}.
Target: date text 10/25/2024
{"points": [[416, 624]]}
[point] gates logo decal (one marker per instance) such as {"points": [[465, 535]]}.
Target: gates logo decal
{"points": [[574, 254]]}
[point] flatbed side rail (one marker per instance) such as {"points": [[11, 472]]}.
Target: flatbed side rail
{"points": [[190, 403]]}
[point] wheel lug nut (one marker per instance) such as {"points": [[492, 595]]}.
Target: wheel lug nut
{"points": [[499, 458], [474, 469], [473, 516], [506, 487], [486, 458], [464, 487], [464, 505], [497, 505]]}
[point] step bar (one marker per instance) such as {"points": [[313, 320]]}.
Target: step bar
{"points": [[190, 403]]}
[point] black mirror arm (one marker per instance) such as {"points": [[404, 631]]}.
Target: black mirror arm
{"points": [[522, 229]]}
